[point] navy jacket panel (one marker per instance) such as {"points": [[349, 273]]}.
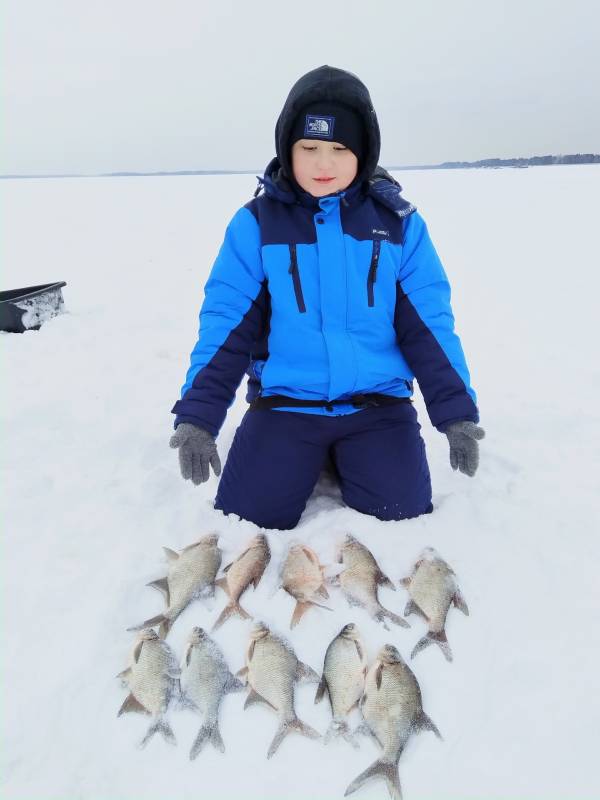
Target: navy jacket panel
{"points": [[424, 325], [232, 320]]}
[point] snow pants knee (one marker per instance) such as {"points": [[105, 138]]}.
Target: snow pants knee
{"points": [[276, 458]]}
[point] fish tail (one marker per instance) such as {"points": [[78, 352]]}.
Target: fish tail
{"points": [[159, 619], [438, 638], [159, 726], [340, 727], [395, 618], [230, 608], [286, 727], [381, 768], [209, 732]]}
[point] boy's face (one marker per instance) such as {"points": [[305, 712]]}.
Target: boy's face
{"points": [[314, 161]]}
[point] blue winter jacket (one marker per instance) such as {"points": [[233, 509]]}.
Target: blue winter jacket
{"points": [[324, 299]]}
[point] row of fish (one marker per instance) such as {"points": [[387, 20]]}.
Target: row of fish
{"points": [[387, 692], [192, 574]]}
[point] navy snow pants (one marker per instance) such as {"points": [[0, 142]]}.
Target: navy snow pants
{"points": [[276, 458]]}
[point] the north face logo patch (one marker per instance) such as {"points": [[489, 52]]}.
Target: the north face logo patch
{"points": [[321, 127]]}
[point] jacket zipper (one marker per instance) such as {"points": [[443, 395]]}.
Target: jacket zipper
{"points": [[294, 272], [373, 271]]}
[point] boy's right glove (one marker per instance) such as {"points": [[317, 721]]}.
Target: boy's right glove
{"points": [[197, 449], [463, 438]]}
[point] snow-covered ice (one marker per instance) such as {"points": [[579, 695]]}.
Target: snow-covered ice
{"points": [[92, 491]]}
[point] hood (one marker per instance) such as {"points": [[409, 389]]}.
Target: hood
{"points": [[329, 84]]}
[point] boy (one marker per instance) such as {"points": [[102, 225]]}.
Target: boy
{"points": [[329, 294]]}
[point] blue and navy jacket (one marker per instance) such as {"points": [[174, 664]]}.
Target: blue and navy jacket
{"points": [[322, 299], [327, 298]]}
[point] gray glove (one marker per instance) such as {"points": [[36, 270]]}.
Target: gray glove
{"points": [[197, 449], [464, 446]]}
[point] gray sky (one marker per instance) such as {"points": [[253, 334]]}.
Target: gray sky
{"points": [[148, 85]]}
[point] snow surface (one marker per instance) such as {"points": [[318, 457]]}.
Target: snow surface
{"points": [[92, 492]]}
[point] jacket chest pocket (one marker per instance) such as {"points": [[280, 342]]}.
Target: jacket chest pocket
{"points": [[372, 274], [296, 282]]}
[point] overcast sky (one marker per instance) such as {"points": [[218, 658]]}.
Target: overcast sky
{"points": [[107, 85]]}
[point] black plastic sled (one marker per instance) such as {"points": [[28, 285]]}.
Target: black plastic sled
{"points": [[28, 308]]}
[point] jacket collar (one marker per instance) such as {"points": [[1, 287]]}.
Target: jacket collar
{"points": [[381, 187]]}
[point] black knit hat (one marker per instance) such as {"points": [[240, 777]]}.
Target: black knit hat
{"points": [[332, 122], [328, 85]]}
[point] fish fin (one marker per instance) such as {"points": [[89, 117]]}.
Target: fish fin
{"points": [[382, 769], [302, 607], [228, 566], [164, 627], [405, 582], [255, 697], [322, 688], [459, 602], [149, 623], [310, 555], [322, 591], [383, 580], [230, 608], [437, 638], [358, 649], [299, 611], [364, 730], [137, 651], [251, 650], [306, 673], [222, 584], [124, 675], [256, 580], [339, 727], [384, 614], [131, 704], [288, 726], [159, 726], [378, 676], [162, 585], [191, 546], [170, 554], [242, 672], [234, 684], [184, 701], [413, 608], [188, 654], [209, 732], [425, 723]]}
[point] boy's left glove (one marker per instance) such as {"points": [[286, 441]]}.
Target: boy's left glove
{"points": [[464, 446]]}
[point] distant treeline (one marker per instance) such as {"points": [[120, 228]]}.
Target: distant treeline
{"points": [[534, 161]]}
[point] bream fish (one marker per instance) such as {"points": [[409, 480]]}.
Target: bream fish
{"points": [[247, 569], [272, 670], [343, 679], [153, 681], [191, 575], [393, 710], [205, 680], [433, 588], [360, 579], [302, 578]]}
